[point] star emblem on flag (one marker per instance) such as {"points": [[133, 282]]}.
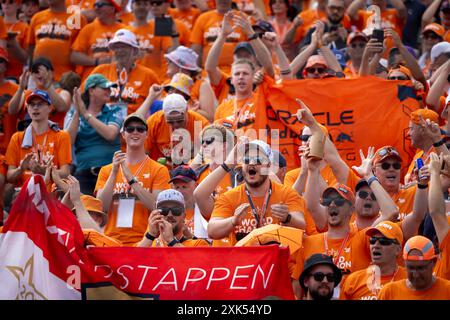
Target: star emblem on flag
{"points": [[26, 288]]}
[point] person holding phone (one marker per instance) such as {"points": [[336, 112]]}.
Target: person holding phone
{"points": [[356, 43], [129, 186]]}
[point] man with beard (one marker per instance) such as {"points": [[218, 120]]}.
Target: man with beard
{"points": [[166, 226], [257, 202], [420, 259], [320, 277], [336, 25], [385, 246]]}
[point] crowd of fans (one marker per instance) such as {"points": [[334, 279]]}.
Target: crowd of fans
{"points": [[130, 111]]}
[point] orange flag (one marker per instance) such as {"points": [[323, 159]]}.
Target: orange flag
{"points": [[358, 113]]}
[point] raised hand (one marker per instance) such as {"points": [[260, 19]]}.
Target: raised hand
{"points": [[166, 231], [240, 213], [155, 91], [227, 24], [365, 169], [242, 21], [154, 220], [304, 114]]}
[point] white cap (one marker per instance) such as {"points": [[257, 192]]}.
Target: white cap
{"points": [[170, 195], [264, 147], [184, 58], [384, 63], [174, 102], [438, 49], [124, 36]]}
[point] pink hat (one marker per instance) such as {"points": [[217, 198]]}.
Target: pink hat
{"points": [[184, 58]]}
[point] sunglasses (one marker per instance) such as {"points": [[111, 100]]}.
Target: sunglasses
{"points": [[319, 276], [385, 151], [338, 201], [313, 70], [208, 141], [305, 137], [363, 195], [102, 4], [255, 160], [8, 2], [356, 45], [431, 35], [176, 211], [398, 78], [387, 165], [382, 240], [131, 129]]}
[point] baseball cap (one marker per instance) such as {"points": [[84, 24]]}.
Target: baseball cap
{"points": [[184, 58], [41, 61], [264, 26], [184, 173], [174, 102], [435, 28], [315, 59], [356, 35], [438, 49], [124, 36], [98, 80], [361, 183], [388, 229], [264, 147], [344, 191], [384, 153], [134, 117], [244, 46], [41, 94], [402, 69], [4, 54], [117, 4], [422, 244], [426, 114], [181, 82], [320, 259], [170, 195], [92, 204]]}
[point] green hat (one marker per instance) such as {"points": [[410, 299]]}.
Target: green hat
{"points": [[98, 80]]}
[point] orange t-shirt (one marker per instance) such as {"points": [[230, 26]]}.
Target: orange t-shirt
{"points": [[93, 41], [205, 32], [140, 79], [224, 185], [227, 203], [398, 290], [96, 239], [442, 268], [362, 284], [52, 37], [152, 176], [15, 67], [158, 143], [222, 89], [3, 34], [404, 199], [188, 17], [8, 123], [50, 143]]}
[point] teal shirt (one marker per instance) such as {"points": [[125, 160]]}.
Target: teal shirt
{"points": [[91, 149]]}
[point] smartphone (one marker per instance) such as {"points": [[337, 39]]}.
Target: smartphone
{"points": [[163, 27], [419, 163], [378, 34]]}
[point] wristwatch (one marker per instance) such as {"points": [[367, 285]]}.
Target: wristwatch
{"points": [[132, 181], [173, 242], [149, 236], [288, 218]]}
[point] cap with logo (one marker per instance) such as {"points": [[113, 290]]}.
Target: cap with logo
{"points": [[41, 94], [344, 191], [124, 36], [184, 173], [386, 152], [388, 229], [170, 195]]}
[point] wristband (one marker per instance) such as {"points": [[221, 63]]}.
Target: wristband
{"points": [[225, 167], [422, 186], [149, 236], [173, 242], [372, 179], [288, 218], [132, 181], [439, 143], [253, 37], [88, 117]]}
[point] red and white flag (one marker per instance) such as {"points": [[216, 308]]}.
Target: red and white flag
{"points": [[40, 247]]}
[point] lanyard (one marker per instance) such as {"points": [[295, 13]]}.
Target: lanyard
{"points": [[135, 174], [122, 79], [263, 209], [37, 147], [237, 112], [344, 242]]}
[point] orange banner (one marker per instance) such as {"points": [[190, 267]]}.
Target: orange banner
{"points": [[358, 113]]}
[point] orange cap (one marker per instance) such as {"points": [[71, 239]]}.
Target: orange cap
{"points": [[356, 35], [388, 229], [426, 114], [422, 244], [316, 59], [343, 190], [436, 28], [386, 152], [402, 69], [92, 204]]}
